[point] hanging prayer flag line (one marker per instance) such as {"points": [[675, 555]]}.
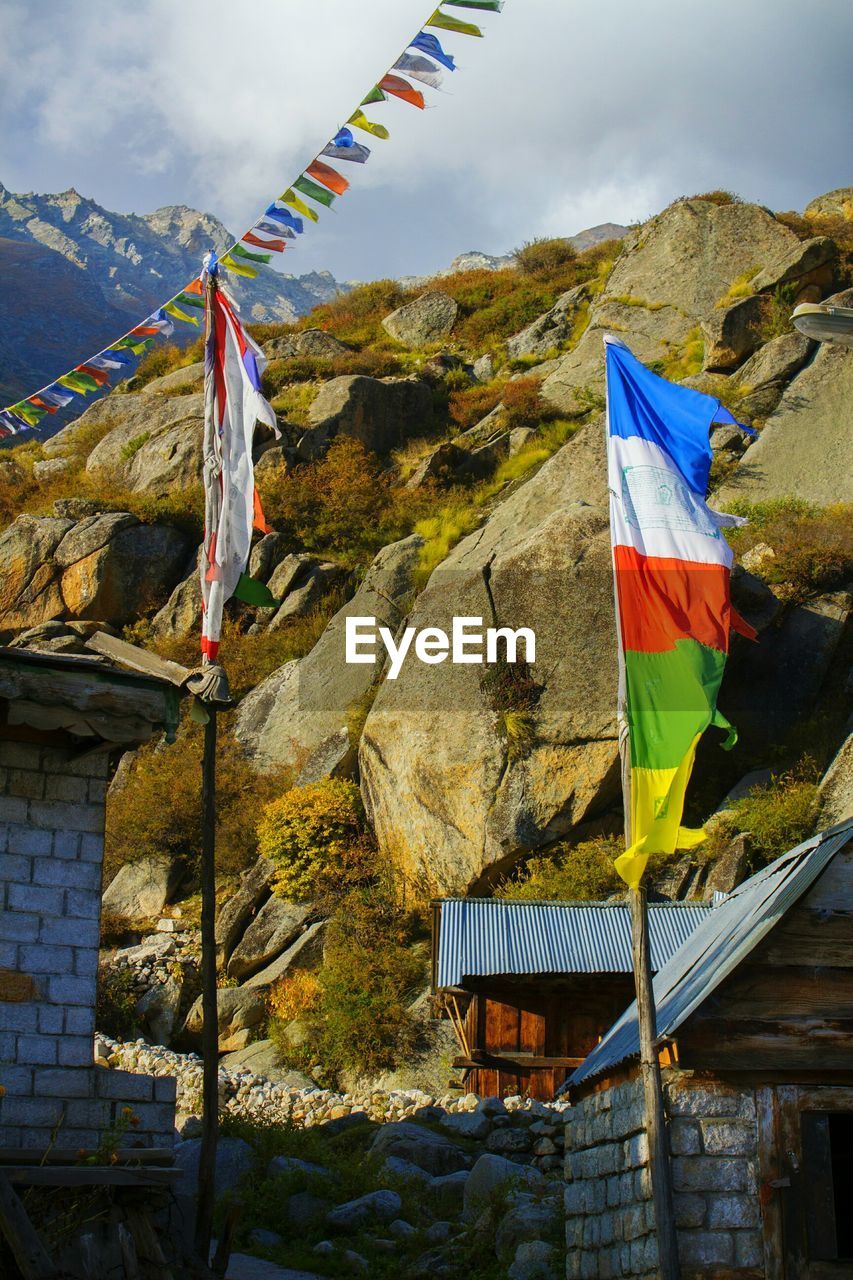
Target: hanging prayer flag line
{"points": [[319, 182]]}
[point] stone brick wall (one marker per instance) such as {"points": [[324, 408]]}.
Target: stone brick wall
{"points": [[51, 853], [609, 1210]]}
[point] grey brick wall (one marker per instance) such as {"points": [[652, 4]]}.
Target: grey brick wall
{"points": [[51, 853], [609, 1211]]}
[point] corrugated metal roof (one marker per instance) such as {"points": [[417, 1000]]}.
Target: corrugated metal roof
{"points": [[489, 936], [720, 943]]}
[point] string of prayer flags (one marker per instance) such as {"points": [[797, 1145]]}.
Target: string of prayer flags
{"points": [[329, 177], [431, 44], [401, 88], [360, 120], [419, 69], [424, 61], [290, 197], [446, 22]]}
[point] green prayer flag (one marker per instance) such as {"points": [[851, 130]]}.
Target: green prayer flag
{"points": [[446, 23], [78, 382], [255, 257], [315, 191], [190, 300], [494, 5], [250, 591], [375, 95]]}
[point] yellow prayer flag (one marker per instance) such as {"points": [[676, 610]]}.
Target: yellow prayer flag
{"points": [[360, 120], [290, 197]]}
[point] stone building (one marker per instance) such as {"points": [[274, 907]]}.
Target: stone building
{"points": [[755, 1033], [63, 723]]}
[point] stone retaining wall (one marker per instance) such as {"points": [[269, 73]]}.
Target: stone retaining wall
{"points": [[609, 1210]]}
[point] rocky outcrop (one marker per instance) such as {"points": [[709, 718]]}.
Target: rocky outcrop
{"points": [[551, 330], [155, 445], [299, 581], [836, 787], [450, 798], [301, 715], [239, 1009], [833, 204], [273, 929], [670, 276], [240, 906], [764, 376], [381, 413], [108, 566], [310, 343], [142, 888], [732, 333], [427, 319], [178, 382], [804, 447]]}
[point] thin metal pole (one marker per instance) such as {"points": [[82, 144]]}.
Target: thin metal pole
{"points": [[210, 1013]]}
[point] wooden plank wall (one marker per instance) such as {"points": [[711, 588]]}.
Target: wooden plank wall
{"points": [[789, 1005]]}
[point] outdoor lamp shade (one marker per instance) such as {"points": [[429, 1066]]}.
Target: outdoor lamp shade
{"points": [[825, 323]]}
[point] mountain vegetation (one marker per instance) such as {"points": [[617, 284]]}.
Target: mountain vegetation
{"points": [[442, 454]]}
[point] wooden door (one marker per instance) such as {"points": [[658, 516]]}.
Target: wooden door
{"points": [[806, 1173]]}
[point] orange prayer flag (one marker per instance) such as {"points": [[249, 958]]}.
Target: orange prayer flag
{"points": [[328, 176], [193, 287], [401, 88]]}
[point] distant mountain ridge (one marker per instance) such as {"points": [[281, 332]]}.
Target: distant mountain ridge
{"points": [[476, 260], [76, 275]]}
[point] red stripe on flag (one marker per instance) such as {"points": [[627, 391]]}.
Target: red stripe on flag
{"points": [[328, 176], [259, 520], [100, 375], [662, 600]]}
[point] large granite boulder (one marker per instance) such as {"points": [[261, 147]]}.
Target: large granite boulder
{"points": [[804, 447], [832, 204], [449, 799], [550, 330], [181, 614], [302, 714], [108, 566], [310, 343], [240, 1010], [672, 273], [423, 321], [381, 413], [177, 383], [239, 907], [143, 887], [151, 442], [762, 379], [269, 934]]}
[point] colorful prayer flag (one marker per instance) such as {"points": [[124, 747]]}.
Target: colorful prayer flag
{"points": [[375, 95], [428, 43], [239, 268], [277, 245], [494, 5], [286, 218], [360, 120], [328, 176], [290, 197], [250, 591], [253, 257], [420, 69], [233, 404], [315, 191], [176, 311], [401, 88], [445, 22], [671, 568], [340, 149]]}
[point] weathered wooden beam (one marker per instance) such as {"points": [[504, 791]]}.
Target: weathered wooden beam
{"points": [[33, 1260], [130, 655]]}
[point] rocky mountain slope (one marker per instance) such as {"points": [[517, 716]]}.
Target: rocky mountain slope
{"points": [[442, 455], [81, 274]]}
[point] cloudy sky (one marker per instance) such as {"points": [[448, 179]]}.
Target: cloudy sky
{"points": [[569, 113]]}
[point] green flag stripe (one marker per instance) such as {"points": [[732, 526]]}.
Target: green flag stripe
{"points": [[671, 696], [250, 591]]}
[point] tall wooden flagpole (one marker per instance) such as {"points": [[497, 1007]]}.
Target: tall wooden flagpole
{"points": [[660, 1169]]}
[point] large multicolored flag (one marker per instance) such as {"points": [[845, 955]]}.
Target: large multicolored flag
{"points": [[671, 567], [233, 403]]}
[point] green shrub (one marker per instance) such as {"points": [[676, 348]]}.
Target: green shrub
{"points": [[777, 312], [369, 977], [543, 256], [812, 546], [356, 317], [468, 405], [717, 197], [318, 839], [582, 873], [133, 446], [115, 1009], [165, 358], [157, 809], [777, 816]]}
